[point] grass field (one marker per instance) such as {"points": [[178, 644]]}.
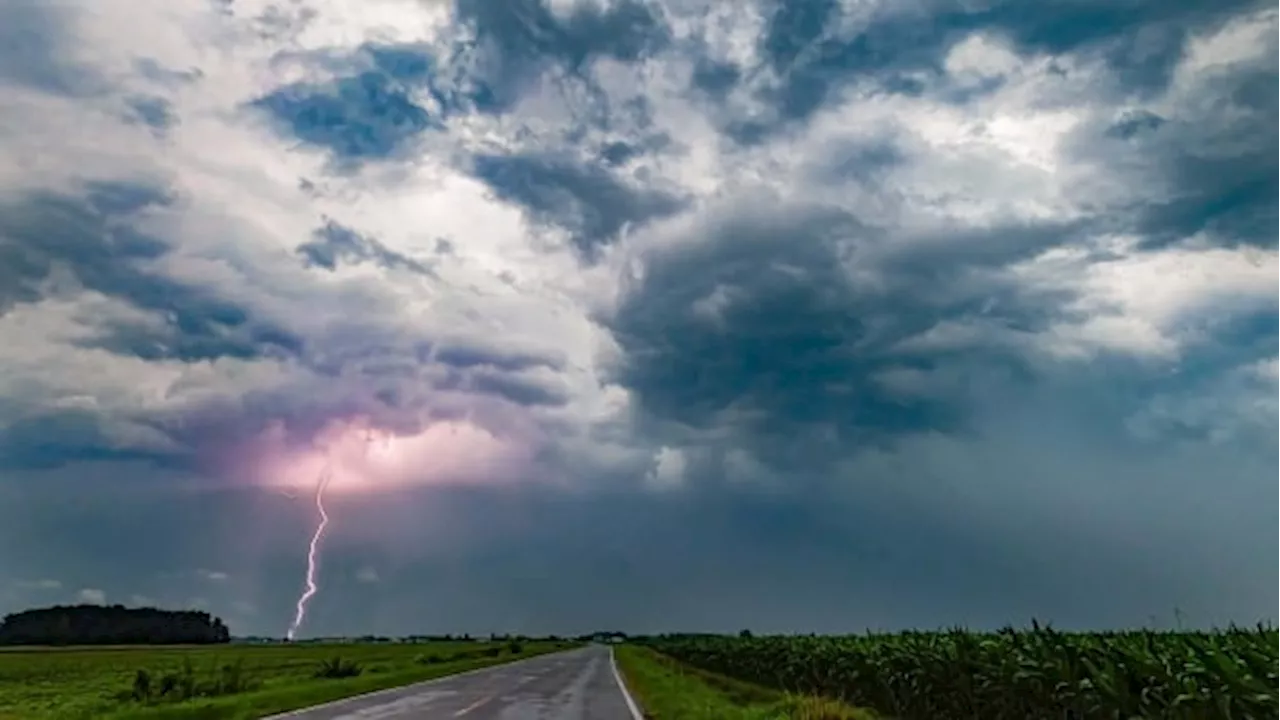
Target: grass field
{"points": [[222, 682], [668, 690]]}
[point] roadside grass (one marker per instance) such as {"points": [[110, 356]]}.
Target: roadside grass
{"points": [[668, 690], [225, 682]]}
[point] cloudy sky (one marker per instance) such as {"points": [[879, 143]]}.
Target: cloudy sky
{"points": [[817, 315]]}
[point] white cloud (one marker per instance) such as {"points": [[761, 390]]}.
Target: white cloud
{"points": [[367, 574], [1265, 370], [983, 56], [668, 469], [216, 576], [92, 596], [1153, 302], [1246, 38]]}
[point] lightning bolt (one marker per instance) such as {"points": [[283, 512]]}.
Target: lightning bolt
{"points": [[313, 551]]}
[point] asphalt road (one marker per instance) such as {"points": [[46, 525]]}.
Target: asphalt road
{"points": [[579, 684]]}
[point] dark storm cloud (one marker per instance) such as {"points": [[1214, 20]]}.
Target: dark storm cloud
{"points": [[46, 227], [66, 437], [461, 355], [353, 343], [1202, 399], [196, 334], [385, 384], [518, 40], [939, 261], [1134, 124], [382, 96], [758, 335], [759, 328], [1231, 191], [618, 153], [385, 95], [1211, 170], [334, 244], [812, 62], [520, 390], [361, 367], [92, 236], [374, 112], [478, 370], [754, 338], [451, 89], [714, 78], [1140, 40], [406, 63], [1220, 167], [586, 200], [1237, 339], [375, 374], [368, 116]]}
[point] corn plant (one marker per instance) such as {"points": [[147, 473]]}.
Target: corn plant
{"points": [[1017, 674]]}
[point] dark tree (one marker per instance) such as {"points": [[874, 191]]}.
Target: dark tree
{"points": [[111, 625]]}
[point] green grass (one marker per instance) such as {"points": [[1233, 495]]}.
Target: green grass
{"points": [[669, 690], [222, 682]]}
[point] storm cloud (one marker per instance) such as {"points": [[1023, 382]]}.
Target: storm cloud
{"points": [[797, 316]]}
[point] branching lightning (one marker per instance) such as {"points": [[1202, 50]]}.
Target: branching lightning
{"points": [[313, 550]]}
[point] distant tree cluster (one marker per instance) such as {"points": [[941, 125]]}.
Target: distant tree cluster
{"points": [[603, 636], [111, 625]]}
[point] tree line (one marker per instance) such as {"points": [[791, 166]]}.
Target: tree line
{"points": [[111, 625]]}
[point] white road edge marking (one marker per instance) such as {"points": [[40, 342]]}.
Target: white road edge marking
{"points": [[626, 694], [474, 705], [420, 683]]}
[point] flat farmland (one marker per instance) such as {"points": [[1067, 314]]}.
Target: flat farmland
{"points": [[224, 682]]}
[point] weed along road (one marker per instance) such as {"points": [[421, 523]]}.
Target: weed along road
{"points": [[580, 684]]}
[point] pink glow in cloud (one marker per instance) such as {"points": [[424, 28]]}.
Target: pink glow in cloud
{"points": [[367, 459]]}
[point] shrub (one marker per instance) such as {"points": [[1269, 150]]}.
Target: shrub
{"points": [[185, 684], [338, 668], [141, 686]]}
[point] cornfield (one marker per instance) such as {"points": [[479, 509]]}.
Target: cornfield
{"points": [[1039, 673]]}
